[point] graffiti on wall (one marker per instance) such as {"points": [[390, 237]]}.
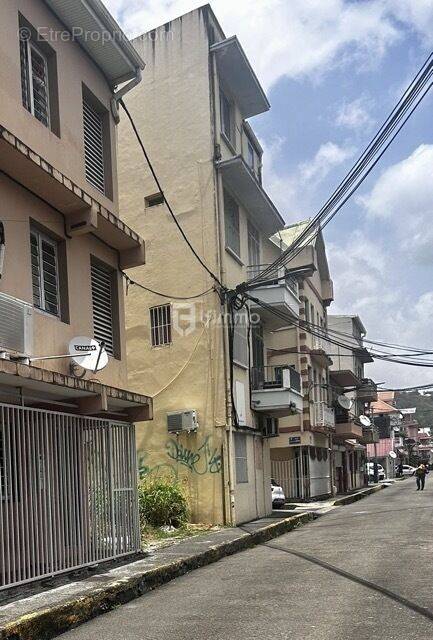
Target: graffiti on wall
{"points": [[199, 461]]}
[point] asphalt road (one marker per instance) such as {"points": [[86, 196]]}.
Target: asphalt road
{"points": [[360, 572]]}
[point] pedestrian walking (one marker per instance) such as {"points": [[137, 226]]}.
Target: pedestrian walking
{"points": [[420, 474], [400, 470]]}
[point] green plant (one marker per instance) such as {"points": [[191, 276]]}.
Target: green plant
{"points": [[162, 501]]}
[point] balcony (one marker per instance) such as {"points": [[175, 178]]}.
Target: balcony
{"points": [[370, 435], [282, 295], [323, 415], [81, 212], [345, 425], [319, 351], [368, 391], [276, 391], [243, 183], [239, 77]]}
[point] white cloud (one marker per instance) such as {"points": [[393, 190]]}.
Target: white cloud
{"points": [[403, 194], [355, 114], [297, 38], [328, 156]]}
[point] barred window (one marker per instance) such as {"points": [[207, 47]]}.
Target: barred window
{"points": [[45, 272], [3, 480], [240, 339], [160, 325], [241, 458], [34, 81], [231, 217]]}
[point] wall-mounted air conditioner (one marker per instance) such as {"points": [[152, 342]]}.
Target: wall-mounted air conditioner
{"points": [[16, 325], [182, 421]]}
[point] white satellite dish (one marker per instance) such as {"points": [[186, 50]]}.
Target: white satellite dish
{"points": [[88, 353], [344, 402], [365, 421], [392, 454]]}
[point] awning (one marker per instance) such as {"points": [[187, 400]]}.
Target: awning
{"points": [[95, 29], [36, 387], [83, 214], [240, 180], [238, 76]]}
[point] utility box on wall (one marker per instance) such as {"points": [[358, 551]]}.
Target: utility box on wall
{"points": [[178, 421]]}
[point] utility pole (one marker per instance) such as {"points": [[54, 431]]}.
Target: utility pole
{"points": [[375, 467]]}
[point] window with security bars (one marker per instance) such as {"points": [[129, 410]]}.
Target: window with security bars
{"points": [[240, 340], [34, 81], [241, 458], [94, 146], [160, 325], [3, 479], [45, 272], [103, 306], [231, 218]]}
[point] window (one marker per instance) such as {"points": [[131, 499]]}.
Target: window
{"points": [[154, 200], [307, 311], [253, 245], [34, 81], [251, 156], [226, 116], [231, 218], [104, 299], [240, 340], [45, 272], [241, 459], [160, 325], [94, 146]]}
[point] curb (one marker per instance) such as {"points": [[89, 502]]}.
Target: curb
{"points": [[340, 502], [48, 623]]}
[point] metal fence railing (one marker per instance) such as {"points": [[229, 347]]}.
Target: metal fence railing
{"points": [[68, 495], [279, 274]]}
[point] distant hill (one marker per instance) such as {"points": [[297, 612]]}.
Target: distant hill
{"points": [[423, 404]]}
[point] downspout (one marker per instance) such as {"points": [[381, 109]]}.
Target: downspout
{"points": [[120, 93]]}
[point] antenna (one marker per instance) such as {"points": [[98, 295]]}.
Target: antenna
{"points": [[344, 402], [88, 353]]}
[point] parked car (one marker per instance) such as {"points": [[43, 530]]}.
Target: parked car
{"points": [[278, 497], [381, 475], [407, 470]]}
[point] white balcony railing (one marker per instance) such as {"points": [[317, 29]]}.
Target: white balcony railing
{"points": [[324, 416]]}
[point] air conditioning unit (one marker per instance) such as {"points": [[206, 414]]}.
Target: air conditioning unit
{"points": [[182, 421], [16, 325], [270, 427]]}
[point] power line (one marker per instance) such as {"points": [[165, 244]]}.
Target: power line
{"points": [[414, 94], [130, 281], [158, 184]]}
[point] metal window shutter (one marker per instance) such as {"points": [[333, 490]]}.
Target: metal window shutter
{"points": [[102, 306], [93, 147]]}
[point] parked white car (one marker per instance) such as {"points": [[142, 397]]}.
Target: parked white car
{"points": [[278, 497], [407, 470], [381, 475]]}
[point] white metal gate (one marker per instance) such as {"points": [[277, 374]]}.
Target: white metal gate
{"points": [[68, 495]]}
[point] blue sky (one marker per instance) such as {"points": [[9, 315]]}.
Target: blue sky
{"points": [[333, 69]]}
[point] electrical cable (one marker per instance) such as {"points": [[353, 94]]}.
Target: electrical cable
{"points": [[130, 281], [155, 177]]}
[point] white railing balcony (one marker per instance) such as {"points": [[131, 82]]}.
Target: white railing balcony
{"points": [[276, 390], [324, 416], [279, 294]]}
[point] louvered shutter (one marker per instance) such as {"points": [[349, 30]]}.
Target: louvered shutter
{"points": [[102, 292], [45, 278], [94, 147]]}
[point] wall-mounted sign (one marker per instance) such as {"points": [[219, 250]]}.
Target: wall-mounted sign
{"points": [[295, 440]]}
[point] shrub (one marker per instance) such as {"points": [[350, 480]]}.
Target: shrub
{"points": [[162, 501]]}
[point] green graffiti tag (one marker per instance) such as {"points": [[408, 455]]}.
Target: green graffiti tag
{"points": [[200, 461]]}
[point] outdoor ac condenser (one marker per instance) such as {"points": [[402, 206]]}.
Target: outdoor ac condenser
{"points": [[16, 325], [182, 421]]}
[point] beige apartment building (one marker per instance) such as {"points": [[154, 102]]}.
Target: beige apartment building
{"points": [[211, 420], [301, 454], [67, 442]]}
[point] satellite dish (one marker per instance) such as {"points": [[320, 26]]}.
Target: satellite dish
{"points": [[365, 421], [392, 454], [88, 353], [344, 402]]}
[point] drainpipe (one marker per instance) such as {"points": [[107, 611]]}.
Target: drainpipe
{"points": [[118, 95]]}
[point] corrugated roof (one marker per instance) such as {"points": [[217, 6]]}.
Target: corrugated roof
{"points": [[289, 234]]}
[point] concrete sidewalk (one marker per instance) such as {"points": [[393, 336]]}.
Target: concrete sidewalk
{"points": [[48, 613]]}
